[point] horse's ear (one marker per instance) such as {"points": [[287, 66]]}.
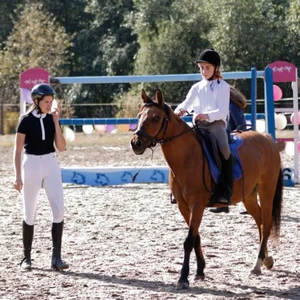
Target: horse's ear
{"points": [[145, 97], [159, 97]]}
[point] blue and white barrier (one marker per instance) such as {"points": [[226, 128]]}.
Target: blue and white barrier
{"points": [[288, 175], [115, 175], [124, 175]]}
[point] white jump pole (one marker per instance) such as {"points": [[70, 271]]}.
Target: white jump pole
{"points": [[296, 128]]}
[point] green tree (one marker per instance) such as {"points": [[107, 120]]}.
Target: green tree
{"points": [[172, 44], [36, 41], [249, 34], [72, 15], [107, 47], [292, 40], [7, 8]]}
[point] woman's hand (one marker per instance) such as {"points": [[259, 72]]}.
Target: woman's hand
{"points": [[18, 184], [56, 114], [59, 139]]}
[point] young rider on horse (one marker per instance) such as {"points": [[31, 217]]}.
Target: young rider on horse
{"points": [[209, 99]]}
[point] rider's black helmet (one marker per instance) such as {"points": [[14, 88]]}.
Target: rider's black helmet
{"points": [[41, 90], [209, 56]]}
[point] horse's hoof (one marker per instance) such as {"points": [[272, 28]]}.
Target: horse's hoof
{"points": [[256, 271], [200, 277], [182, 285], [269, 262]]}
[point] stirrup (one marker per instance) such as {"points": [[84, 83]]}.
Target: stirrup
{"points": [[215, 199], [222, 200]]}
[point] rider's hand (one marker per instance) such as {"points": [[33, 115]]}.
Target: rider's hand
{"points": [[181, 112], [201, 117]]}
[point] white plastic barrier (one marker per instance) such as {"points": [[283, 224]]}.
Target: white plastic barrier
{"points": [[115, 175]]}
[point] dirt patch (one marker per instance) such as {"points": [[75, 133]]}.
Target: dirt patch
{"points": [[126, 242]]}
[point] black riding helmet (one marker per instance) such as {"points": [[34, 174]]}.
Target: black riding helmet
{"points": [[41, 90], [209, 56]]}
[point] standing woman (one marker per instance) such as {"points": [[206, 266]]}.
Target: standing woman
{"points": [[37, 132], [209, 99]]}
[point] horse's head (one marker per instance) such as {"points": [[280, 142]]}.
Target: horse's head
{"points": [[153, 123]]}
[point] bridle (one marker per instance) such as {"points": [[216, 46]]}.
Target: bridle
{"points": [[163, 128]]}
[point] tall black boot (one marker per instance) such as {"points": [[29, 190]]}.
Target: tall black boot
{"points": [[228, 178], [224, 192], [56, 262], [27, 243]]}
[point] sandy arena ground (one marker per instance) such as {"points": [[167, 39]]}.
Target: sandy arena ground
{"points": [[126, 242]]}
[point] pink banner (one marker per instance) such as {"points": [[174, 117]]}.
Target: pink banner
{"points": [[283, 71], [31, 77]]}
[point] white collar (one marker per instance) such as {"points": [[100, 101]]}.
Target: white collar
{"points": [[37, 115], [41, 117]]}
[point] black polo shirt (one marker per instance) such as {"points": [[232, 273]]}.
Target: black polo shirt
{"points": [[31, 127]]}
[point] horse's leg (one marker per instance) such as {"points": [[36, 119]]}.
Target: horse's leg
{"points": [[254, 210], [266, 203], [200, 258], [264, 223], [191, 242], [183, 282]]}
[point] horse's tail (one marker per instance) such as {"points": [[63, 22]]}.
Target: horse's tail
{"points": [[277, 204]]}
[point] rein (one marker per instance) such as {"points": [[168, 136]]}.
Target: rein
{"points": [[163, 127]]}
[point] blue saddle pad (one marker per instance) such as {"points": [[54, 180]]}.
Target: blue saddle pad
{"points": [[236, 143]]}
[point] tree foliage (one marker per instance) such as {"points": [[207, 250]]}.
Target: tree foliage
{"points": [[180, 34], [7, 8], [292, 39], [250, 34], [124, 37], [36, 41], [107, 47]]}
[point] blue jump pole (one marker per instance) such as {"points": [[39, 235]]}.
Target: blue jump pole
{"points": [[119, 121], [253, 97], [269, 103]]}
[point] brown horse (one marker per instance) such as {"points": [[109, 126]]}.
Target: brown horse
{"points": [[190, 177]]}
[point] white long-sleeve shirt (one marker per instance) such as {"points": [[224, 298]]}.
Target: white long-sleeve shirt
{"points": [[208, 97]]}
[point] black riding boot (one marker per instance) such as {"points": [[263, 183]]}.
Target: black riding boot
{"points": [[227, 171], [217, 210], [27, 242], [224, 190], [57, 263]]}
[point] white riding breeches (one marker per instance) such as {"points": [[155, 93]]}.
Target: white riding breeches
{"points": [[42, 171]]}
